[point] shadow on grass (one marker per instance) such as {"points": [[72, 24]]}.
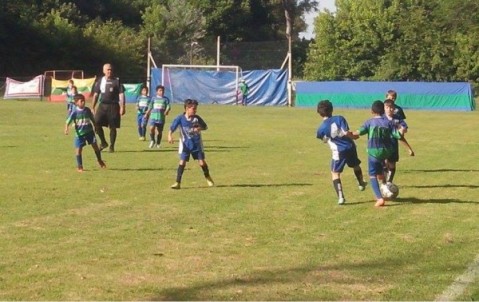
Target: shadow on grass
{"points": [[438, 170], [236, 284], [443, 186], [141, 169], [175, 149], [413, 200], [263, 185]]}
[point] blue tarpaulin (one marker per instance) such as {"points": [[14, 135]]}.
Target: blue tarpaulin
{"points": [[266, 87]]}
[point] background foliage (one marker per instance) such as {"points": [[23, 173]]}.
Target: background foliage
{"points": [[391, 40], [398, 40], [79, 34]]}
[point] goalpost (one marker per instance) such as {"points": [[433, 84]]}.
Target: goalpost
{"points": [[216, 84]]}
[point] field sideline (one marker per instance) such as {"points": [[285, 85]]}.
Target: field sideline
{"points": [[270, 229]]}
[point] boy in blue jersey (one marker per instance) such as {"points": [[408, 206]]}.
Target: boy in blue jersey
{"points": [[390, 165], [380, 132], [191, 143], [142, 105], [82, 119], [334, 131], [157, 112]]}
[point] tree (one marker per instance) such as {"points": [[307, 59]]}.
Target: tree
{"points": [[393, 40]]}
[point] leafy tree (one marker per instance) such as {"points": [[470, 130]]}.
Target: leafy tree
{"points": [[394, 40], [173, 27]]}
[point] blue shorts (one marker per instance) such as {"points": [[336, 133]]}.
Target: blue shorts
{"points": [[375, 166], [81, 141], [349, 157], [142, 120], [157, 124], [197, 155]]}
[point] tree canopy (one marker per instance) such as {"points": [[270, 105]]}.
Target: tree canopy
{"points": [[402, 40], [83, 34]]}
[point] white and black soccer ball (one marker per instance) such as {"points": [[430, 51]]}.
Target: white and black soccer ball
{"points": [[389, 190]]}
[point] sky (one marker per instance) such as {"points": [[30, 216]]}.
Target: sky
{"points": [[329, 4]]}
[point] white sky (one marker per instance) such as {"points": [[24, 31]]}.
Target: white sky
{"points": [[329, 4]]}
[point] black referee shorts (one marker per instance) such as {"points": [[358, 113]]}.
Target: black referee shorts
{"points": [[108, 115]]}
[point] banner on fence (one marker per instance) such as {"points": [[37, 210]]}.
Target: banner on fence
{"points": [[59, 88], [132, 91], [20, 90]]}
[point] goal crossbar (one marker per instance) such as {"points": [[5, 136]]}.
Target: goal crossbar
{"points": [[233, 68]]}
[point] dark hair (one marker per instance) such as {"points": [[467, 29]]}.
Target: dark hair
{"points": [[389, 102], [78, 96], [190, 103], [392, 93], [160, 86], [378, 107], [325, 108]]}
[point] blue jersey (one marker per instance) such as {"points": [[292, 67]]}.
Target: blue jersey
{"points": [[143, 103], [380, 133], [333, 132], [190, 140], [83, 121]]}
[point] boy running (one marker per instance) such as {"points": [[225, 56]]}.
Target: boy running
{"points": [[191, 143], [82, 118], [380, 132], [399, 123], [334, 131], [157, 112]]}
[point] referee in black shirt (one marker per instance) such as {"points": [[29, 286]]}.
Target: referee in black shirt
{"points": [[109, 94]]}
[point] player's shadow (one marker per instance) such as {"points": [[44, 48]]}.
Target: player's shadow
{"points": [[415, 200], [442, 186], [264, 185], [141, 169], [438, 170]]}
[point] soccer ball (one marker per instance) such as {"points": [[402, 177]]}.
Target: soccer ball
{"points": [[389, 190]]}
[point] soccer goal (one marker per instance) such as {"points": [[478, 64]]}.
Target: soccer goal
{"points": [[210, 84]]}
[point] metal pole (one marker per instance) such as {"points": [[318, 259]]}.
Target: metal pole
{"points": [[218, 52], [148, 66]]}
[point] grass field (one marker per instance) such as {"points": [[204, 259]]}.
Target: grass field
{"points": [[270, 229]]}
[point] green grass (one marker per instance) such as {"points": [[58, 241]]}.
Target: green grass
{"points": [[269, 230]]}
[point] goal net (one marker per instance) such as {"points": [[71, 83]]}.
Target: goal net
{"points": [[204, 83]]}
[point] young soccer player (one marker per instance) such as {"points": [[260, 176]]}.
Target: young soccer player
{"points": [[391, 161], [334, 131], [142, 105], [82, 118], [157, 112], [380, 131], [398, 111], [70, 92], [191, 143]]}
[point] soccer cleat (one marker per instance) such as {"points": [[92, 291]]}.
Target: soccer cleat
{"points": [[112, 149], [80, 169], [103, 146], [157, 146], [141, 138], [102, 163], [210, 181], [362, 186], [176, 186], [341, 200], [152, 144]]}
